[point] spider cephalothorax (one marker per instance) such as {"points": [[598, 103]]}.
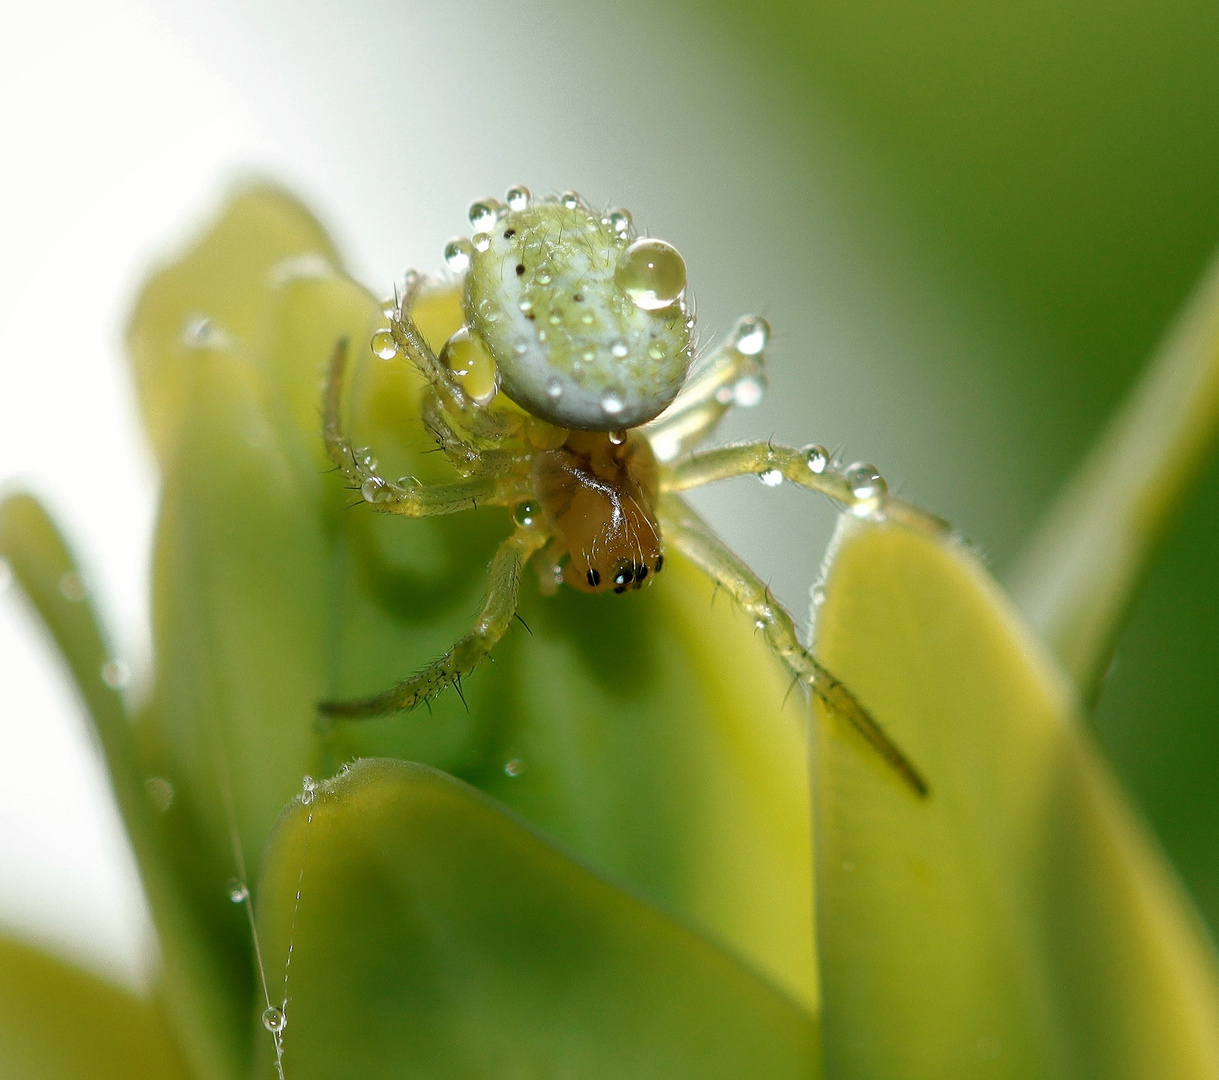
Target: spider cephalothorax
{"points": [[570, 396]]}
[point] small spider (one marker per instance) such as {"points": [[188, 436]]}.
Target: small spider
{"points": [[571, 396]]}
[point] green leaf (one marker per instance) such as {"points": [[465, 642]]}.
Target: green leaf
{"points": [[198, 990], [436, 936], [1080, 572], [1019, 922], [59, 1023]]}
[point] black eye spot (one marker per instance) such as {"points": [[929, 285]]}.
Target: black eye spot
{"points": [[594, 577], [660, 561], [641, 573], [624, 576], [620, 589], [520, 269], [509, 234], [578, 298]]}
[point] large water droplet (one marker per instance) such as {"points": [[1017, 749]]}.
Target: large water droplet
{"points": [[481, 241], [457, 254], [771, 477], [817, 458], [384, 345], [570, 199], [238, 892], [751, 335], [484, 214], [472, 365], [274, 1020], [868, 488], [115, 674], [518, 197], [652, 273]]}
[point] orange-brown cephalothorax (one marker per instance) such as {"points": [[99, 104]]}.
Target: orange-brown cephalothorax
{"points": [[598, 495]]}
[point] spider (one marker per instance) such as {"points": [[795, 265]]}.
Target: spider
{"points": [[571, 395]]}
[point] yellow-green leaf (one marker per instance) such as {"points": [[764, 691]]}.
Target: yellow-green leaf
{"points": [[437, 936], [1020, 922], [1079, 573], [59, 1023]]}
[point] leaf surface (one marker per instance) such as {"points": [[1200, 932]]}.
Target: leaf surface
{"points": [[1019, 922], [436, 936]]}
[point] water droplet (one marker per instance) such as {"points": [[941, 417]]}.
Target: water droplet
{"points": [[6, 575], [526, 305], [554, 389], [71, 587], [759, 624], [620, 221], [544, 278], [652, 273], [751, 335], [817, 458], [238, 892], [472, 365], [771, 477], [526, 513], [868, 488], [457, 254], [657, 350], [513, 766], [818, 596], [116, 674], [389, 308], [611, 403], [274, 1020], [201, 332], [481, 241], [518, 198], [749, 391], [520, 346], [620, 348], [556, 317], [374, 490], [384, 345], [308, 789], [160, 793], [484, 214], [570, 199], [617, 438]]}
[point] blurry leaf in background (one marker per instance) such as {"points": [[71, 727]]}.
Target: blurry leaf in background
{"points": [[437, 936], [1019, 922], [58, 1023]]}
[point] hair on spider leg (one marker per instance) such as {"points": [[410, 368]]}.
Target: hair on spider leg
{"points": [[517, 616], [791, 686]]}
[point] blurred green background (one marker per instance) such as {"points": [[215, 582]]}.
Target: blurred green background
{"points": [[968, 223]]}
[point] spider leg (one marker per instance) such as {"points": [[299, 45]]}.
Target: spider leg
{"points": [[690, 535], [494, 618], [727, 378], [798, 466], [412, 499]]}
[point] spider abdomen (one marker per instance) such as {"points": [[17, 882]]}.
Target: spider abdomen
{"points": [[597, 493]]}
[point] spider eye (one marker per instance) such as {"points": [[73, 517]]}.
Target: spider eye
{"points": [[652, 273]]}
